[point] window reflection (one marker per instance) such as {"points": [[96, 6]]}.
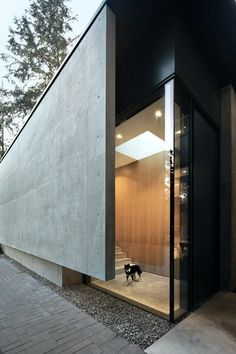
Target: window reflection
{"points": [[181, 217]]}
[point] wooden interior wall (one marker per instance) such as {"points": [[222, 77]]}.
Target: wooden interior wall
{"points": [[142, 213]]}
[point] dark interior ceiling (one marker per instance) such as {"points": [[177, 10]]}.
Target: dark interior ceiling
{"points": [[211, 23]]}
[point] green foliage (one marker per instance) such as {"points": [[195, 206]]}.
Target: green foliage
{"points": [[37, 44], [6, 120]]}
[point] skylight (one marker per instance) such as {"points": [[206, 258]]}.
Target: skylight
{"points": [[141, 146]]}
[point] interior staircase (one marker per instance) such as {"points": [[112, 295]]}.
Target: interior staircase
{"points": [[121, 259]]}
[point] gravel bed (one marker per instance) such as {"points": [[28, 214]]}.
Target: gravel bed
{"points": [[139, 327]]}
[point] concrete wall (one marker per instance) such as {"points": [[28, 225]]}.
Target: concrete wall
{"points": [[48, 270], [228, 188], [59, 173], [55, 273]]}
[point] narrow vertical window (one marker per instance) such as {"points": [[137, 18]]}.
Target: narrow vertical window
{"points": [[181, 201]]}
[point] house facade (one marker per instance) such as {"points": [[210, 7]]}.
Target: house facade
{"points": [[128, 158]]}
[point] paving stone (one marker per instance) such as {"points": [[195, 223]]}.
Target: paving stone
{"points": [[57, 328], [3, 342], [12, 338], [11, 346], [130, 349], [42, 347], [47, 324], [103, 336], [22, 347], [6, 332], [77, 347], [75, 336], [93, 329], [68, 333], [35, 320], [90, 349], [86, 322], [114, 345], [41, 337], [20, 331]]}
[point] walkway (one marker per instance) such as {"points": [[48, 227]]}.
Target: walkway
{"points": [[209, 330], [35, 320]]}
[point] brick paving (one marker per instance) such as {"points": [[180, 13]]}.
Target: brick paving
{"points": [[35, 320]]}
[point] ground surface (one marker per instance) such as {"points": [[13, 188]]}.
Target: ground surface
{"points": [[209, 330], [153, 291], [35, 319]]}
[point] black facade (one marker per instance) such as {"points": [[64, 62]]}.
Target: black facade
{"points": [[157, 42]]}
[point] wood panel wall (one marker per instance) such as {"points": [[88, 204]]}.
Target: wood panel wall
{"points": [[142, 213]]}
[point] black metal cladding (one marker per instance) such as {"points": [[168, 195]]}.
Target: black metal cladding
{"points": [[211, 24], [149, 52], [152, 45], [205, 232]]}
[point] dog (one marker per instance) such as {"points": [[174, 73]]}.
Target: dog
{"points": [[131, 270]]}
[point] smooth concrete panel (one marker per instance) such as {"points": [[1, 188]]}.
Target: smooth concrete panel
{"points": [[48, 270], [55, 273], [110, 151], [54, 178]]}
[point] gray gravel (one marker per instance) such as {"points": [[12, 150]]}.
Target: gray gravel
{"points": [[136, 325]]}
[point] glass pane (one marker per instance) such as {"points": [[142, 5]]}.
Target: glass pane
{"points": [[142, 202], [143, 152], [181, 201]]}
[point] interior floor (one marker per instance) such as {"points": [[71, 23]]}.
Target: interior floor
{"points": [[151, 293]]}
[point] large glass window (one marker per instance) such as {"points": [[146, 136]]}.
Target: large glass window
{"points": [[151, 205], [143, 201]]}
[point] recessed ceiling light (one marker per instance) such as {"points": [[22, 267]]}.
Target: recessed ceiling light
{"points": [[119, 136], [169, 115], [184, 171], [158, 114], [143, 145]]}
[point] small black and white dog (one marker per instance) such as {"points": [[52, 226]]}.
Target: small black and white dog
{"points": [[131, 270]]}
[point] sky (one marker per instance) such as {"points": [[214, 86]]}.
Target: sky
{"points": [[85, 9]]}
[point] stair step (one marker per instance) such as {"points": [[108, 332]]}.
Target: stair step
{"points": [[118, 249], [121, 255], [122, 261], [119, 270]]}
